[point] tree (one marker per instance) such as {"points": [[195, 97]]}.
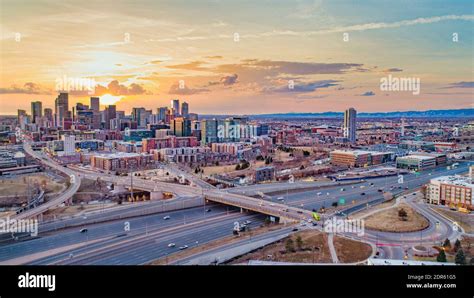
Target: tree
{"points": [[334, 204], [305, 153], [447, 243], [290, 245], [460, 257], [302, 167], [299, 243], [441, 256], [457, 245], [237, 167], [402, 214]]}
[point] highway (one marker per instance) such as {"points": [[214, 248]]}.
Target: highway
{"points": [[184, 227], [74, 186]]}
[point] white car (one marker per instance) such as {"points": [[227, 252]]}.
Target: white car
{"points": [[171, 245], [166, 217], [183, 247], [319, 193]]}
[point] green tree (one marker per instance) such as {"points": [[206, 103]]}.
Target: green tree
{"points": [[457, 245], [402, 214], [447, 244], [299, 243], [460, 257], [290, 245], [441, 256]]}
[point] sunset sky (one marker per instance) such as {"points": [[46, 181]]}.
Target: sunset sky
{"points": [[278, 41]]}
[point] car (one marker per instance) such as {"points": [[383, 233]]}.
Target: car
{"points": [[208, 210], [121, 235], [280, 199], [362, 193], [414, 194], [83, 230], [314, 223], [362, 186], [343, 189], [183, 247], [295, 229], [247, 222], [406, 187], [166, 217], [310, 220], [271, 204], [171, 245], [299, 211], [380, 190], [319, 193], [303, 224]]}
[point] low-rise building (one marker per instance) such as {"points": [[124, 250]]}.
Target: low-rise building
{"points": [[453, 191], [416, 162], [120, 161], [264, 174], [359, 158]]}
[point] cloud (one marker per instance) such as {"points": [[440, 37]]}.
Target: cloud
{"points": [[393, 70], [302, 87], [460, 85], [229, 80], [368, 93], [115, 88], [214, 57], [28, 88], [340, 29], [174, 89], [194, 65]]}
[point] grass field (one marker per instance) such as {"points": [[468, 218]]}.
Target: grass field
{"points": [[19, 185]]}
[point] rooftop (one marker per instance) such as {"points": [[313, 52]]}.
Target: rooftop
{"points": [[455, 180]]}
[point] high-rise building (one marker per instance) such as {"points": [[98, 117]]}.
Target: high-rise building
{"points": [[185, 109], [48, 113], [181, 127], [209, 128], [95, 104], [95, 107], [140, 115], [350, 124], [162, 113], [175, 107], [21, 113], [109, 114], [69, 144], [61, 108], [36, 110]]}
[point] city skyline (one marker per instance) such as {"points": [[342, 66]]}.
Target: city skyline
{"points": [[231, 60]]}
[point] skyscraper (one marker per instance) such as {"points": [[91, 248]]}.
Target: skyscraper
{"points": [[185, 109], [95, 107], [36, 110], [21, 113], [61, 108], [162, 112], [175, 107], [181, 127], [350, 128], [109, 114], [48, 113]]}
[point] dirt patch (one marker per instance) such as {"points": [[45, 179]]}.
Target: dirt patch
{"points": [[390, 221], [314, 249], [351, 251]]}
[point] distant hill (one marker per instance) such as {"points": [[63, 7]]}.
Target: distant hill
{"points": [[407, 114]]}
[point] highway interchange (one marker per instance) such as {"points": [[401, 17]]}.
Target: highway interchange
{"points": [[149, 236]]}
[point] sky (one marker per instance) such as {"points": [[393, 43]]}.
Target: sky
{"points": [[239, 57]]}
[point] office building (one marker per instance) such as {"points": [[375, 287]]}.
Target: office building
{"points": [[175, 107], [452, 191], [181, 127], [350, 124], [36, 111], [185, 109], [61, 108]]}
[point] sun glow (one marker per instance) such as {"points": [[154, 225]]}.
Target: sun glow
{"points": [[108, 99]]}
